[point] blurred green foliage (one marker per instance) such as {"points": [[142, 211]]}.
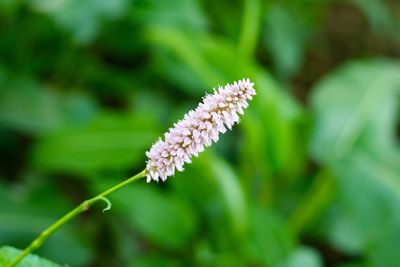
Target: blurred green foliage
{"points": [[9, 253], [310, 178]]}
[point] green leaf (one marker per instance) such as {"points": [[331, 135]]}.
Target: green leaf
{"points": [[186, 56], [385, 252], [367, 212], [212, 184], [9, 253], [163, 218], [207, 255], [152, 12], [35, 109], [232, 193], [112, 141], [377, 12], [354, 104], [154, 261], [269, 241], [284, 35], [301, 257], [351, 265], [355, 134], [82, 18], [268, 154]]}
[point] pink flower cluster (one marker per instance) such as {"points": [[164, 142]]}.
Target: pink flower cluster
{"points": [[198, 128]]}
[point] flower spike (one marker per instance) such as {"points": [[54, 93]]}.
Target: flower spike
{"points": [[198, 128]]}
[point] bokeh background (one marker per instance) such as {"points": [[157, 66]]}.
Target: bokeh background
{"points": [[310, 178]]}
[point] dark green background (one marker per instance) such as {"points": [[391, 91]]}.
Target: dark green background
{"points": [[310, 177]]}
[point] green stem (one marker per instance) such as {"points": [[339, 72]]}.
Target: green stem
{"points": [[84, 206], [317, 199]]}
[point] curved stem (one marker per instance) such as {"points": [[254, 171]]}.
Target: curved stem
{"points": [[84, 206]]}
